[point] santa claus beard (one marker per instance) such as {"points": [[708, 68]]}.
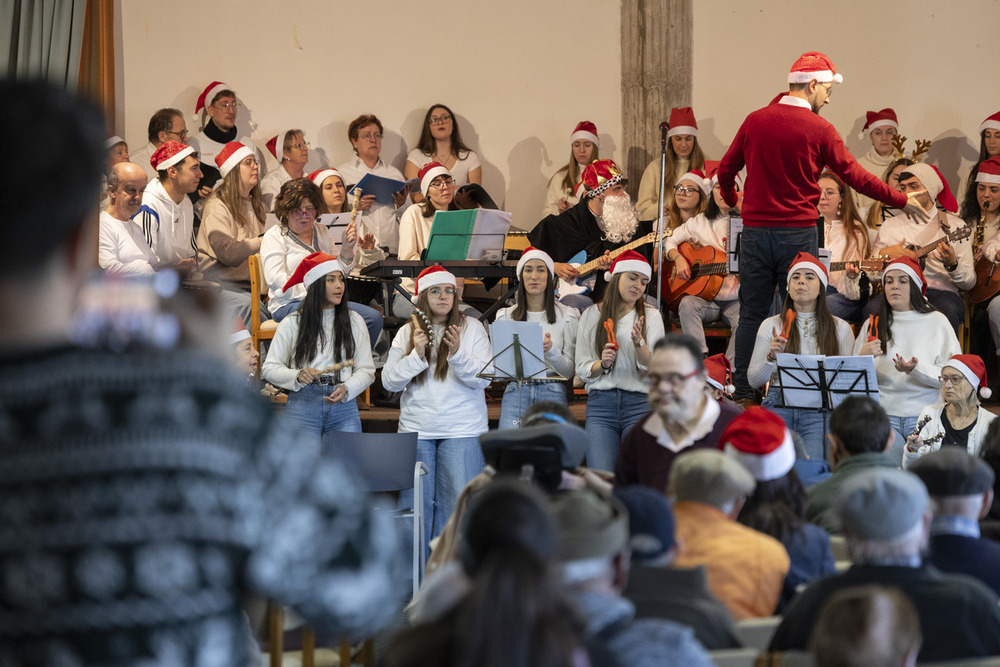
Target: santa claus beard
{"points": [[619, 218]]}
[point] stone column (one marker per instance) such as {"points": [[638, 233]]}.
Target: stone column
{"points": [[656, 42]]}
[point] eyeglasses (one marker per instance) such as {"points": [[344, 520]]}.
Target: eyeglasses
{"points": [[675, 380], [953, 380], [249, 162], [300, 146], [371, 136], [227, 106], [443, 183], [829, 89], [182, 135], [303, 213], [439, 120], [679, 189], [438, 291]]}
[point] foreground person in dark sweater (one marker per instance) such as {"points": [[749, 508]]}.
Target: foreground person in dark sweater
{"points": [[144, 493], [886, 521], [684, 417]]}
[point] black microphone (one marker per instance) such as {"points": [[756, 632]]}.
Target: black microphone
{"points": [[664, 126]]}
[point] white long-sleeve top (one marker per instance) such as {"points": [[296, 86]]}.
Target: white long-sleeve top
{"points": [[451, 408], [556, 191], [278, 370], [896, 229], [271, 184], [626, 374], [562, 331], [281, 255], [926, 336], [836, 241], [991, 246], [414, 232], [700, 230], [381, 220], [934, 426], [122, 248], [761, 370]]}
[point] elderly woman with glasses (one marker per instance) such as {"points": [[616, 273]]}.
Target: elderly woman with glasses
{"points": [[291, 151], [958, 420], [382, 220], [441, 142]]}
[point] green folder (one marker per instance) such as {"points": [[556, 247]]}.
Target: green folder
{"points": [[473, 234]]}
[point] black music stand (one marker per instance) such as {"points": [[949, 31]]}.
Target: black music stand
{"points": [[829, 381], [516, 374]]}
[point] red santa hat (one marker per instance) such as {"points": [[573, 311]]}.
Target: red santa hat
{"points": [[759, 440], [697, 176], [989, 171], [991, 123], [231, 155], [113, 141], [534, 253], [910, 267], [720, 373], [431, 276], [320, 175], [629, 260], [814, 65], [974, 370], [169, 154], [804, 260], [238, 331], [600, 175], [712, 171], [875, 119], [682, 121], [209, 94], [933, 182], [276, 145], [585, 130], [428, 173], [311, 269]]}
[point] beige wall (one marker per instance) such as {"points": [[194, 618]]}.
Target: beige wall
{"points": [[511, 71], [918, 56]]}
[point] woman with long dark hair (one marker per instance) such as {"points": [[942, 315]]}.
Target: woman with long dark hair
{"points": [[434, 360], [913, 342], [536, 302], [613, 350], [804, 326], [441, 142], [321, 353], [683, 154], [584, 149], [760, 440], [989, 146], [848, 240], [514, 612]]}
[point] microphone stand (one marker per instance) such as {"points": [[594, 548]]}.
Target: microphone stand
{"points": [[664, 126]]}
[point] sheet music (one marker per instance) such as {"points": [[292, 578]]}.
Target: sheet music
{"points": [[530, 336], [383, 188], [337, 224], [489, 234], [798, 376]]}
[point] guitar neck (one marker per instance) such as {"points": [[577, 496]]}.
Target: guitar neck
{"points": [[714, 269], [589, 267]]}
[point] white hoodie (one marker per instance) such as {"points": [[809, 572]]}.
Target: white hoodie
{"points": [[168, 226]]}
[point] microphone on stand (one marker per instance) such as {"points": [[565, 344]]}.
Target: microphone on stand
{"points": [[664, 126]]}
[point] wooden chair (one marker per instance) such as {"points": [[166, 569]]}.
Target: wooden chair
{"points": [[258, 292]]}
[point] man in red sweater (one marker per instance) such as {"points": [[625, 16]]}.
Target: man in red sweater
{"points": [[785, 146]]}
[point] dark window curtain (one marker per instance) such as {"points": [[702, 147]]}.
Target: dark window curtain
{"points": [[97, 61], [42, 38]]}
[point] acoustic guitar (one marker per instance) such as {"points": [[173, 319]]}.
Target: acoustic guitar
{"points": [[708, 271], [987, 281]]}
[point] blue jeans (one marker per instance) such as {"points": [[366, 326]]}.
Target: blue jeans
{"points": [[903, 426], [846, 309], [373, 318], [811, 425], [610, 413], [307, 408], [765, 255], [451, 464], [511, 411]]}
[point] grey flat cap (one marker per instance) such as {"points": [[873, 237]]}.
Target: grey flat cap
{"points": [[951, 471], [589, 526], [708, 476], [880, 504]]}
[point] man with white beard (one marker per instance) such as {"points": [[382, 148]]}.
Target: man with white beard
{"points": [[603, 221], [683, 416]]}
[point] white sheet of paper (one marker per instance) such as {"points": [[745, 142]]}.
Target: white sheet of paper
{"points": [[798, 377], [529, 335], [489, 234], [337, 224]]}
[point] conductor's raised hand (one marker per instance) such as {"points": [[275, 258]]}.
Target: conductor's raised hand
{"points": [[914, 210]]}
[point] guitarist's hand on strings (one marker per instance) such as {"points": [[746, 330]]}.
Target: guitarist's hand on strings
{"points": [[683, 267], [566, 271], [604, 261], [946, 253], [898, 250], [851, 270]]}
